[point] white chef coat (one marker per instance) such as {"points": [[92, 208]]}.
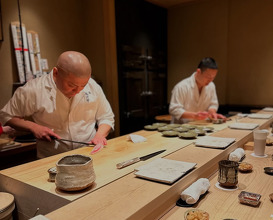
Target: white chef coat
{"points": [[73, 118], [186, 97]]}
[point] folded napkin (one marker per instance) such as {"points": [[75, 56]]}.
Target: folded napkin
{"points": [[195, 190], [237, 154], [137, 138]]}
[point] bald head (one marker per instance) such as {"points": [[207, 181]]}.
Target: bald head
{"points": [[72, 73], [72, 62]]}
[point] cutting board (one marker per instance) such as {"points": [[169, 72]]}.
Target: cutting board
{"points": [[164, 170]]}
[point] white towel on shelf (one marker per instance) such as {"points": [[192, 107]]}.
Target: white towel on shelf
{"points": [[137, 138], [195, 190], [237, 154]]}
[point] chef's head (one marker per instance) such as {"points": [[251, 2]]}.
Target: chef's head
{"points": [[71, 73], [206, 71]]}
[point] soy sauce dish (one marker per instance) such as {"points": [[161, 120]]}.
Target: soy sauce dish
{"points": [[268, 170]]}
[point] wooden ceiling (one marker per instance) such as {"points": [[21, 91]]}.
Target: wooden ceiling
{"points": [[170, 3]]}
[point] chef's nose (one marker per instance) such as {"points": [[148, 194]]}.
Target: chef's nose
{"points": [[77, 89]]}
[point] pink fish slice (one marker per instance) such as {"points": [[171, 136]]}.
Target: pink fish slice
{"points": [[97, 148]]}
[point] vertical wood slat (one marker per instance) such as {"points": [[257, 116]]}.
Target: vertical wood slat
{"points": [[111, 59]]}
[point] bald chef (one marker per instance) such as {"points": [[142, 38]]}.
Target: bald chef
{"points": [[66, 103]]}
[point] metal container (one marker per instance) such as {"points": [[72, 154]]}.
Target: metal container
{"points": [[75, 172], [249, 198]]}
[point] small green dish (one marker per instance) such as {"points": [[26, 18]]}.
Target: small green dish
{"points": [[159, 124], [209, 129], [170, 133], [191, 127], [181, 129], [150, 127], [174, 125], [200, 132], [164, 128], [188, 135]]}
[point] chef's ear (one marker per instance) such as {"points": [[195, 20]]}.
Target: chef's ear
{"points": [[55, 71]]}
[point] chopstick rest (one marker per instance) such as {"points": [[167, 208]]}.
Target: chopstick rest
{"points": [[192, 194]]}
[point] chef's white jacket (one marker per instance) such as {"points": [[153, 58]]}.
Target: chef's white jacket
{"points": [[186, 97], [73, 119]]}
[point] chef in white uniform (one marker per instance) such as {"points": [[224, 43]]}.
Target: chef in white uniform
{"points": [[194, 98], [66, 103]]}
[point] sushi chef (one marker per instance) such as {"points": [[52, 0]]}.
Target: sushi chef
{"points": [[195, 98], [66, 103]]}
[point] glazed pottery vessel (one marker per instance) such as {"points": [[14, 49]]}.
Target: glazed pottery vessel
{"points": [[75, 172]]}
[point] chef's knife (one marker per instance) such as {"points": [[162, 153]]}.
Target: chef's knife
{"points": [[137, 159], [77, 142]]}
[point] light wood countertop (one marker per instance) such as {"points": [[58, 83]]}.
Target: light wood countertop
{"points": [[118, 194], [135, 198], [222, 204]]}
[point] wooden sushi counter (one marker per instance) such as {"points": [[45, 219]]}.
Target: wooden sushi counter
{"points": [[119, 194]]}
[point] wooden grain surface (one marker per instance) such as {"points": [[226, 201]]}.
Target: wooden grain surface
{"points": [[118, 194], [117, 150], [134, 198], [225, 204]]}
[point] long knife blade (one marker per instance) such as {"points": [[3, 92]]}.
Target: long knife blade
{"points": [[77, 142], [137, 159]]}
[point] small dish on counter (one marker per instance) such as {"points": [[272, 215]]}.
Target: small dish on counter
{"points": [[164, 128], [249, 198], [181, 129], [268, 170], [174, 125], [208, 129], [170, 133], [188, 135], [150, 127], [196, 214], [245, 167], [199, 131], [159, 124], [190, 127]]}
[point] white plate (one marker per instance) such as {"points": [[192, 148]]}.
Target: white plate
{"points": [[214, 142], [268, 109], [164, 170], [261, 116], [244, 126], [225, 189]]}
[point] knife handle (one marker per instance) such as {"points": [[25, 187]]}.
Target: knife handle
{"points": [[127, 162]]}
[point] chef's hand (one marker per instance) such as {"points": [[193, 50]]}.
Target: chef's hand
{"points": [[221, 117], [102, 132], [43, 133], [8, 130], [214, 116], [201, 115], [99, 139]]}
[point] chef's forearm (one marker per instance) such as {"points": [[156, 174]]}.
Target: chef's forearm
{"points": [[103, 130], [21, 124]]}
